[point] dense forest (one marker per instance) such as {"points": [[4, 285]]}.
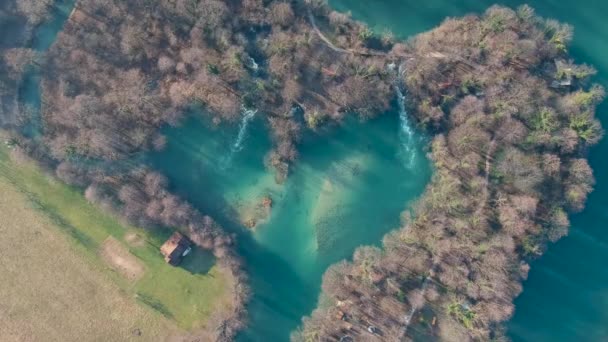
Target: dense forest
{"points": [[511, 118], [510, 114], [120, 71], [139, 65]]}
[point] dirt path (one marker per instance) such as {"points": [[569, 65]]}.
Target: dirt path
{"points": [[332, 46], [327, 42], [488, 166], [435, 54]]}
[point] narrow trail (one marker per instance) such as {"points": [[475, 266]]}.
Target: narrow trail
{"points": [[327, 42], [313, 23], [488, 166], [434, 54]]}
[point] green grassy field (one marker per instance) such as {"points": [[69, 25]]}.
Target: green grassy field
{"points": [[48, 292], [185, 295]]}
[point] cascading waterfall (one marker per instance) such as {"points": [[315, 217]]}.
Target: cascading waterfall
{"points": [[406, 133], [407, 138], [410, 314], [247, 116], [253, 64], [423, 289]]}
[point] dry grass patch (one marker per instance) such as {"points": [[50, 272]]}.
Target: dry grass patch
{"points": [[134, 239], [121, 260], [49, 292], [185, 296]]}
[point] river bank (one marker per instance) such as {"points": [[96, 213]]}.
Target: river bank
{"points": [[564, 285], [348, 189]]}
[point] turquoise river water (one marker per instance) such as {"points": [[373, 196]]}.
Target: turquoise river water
{"points": [[566, 295], [350, 187]]}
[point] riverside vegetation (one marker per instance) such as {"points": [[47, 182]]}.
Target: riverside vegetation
{"points": [[511, 116], [103, 103], [42, 254], [88, 249]]}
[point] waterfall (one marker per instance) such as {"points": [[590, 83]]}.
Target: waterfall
{"points": [[408, 150], [253, 64], [425, 285], [408, 319], [237, 146], [248, 115], [410, 314], [406, 133]]}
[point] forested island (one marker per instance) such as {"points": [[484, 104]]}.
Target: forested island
{"points": [[510, 115], [511, 118]]}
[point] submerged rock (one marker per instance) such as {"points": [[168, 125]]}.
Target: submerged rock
{"points": [[252, 214]]}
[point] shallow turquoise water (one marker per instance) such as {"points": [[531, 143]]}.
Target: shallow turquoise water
{"points": [[347, 189], [566, 295], [362, 168]]}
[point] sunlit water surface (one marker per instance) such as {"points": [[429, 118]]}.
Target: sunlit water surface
{"points": [[347, 189], [350, 187], [566, 295]]}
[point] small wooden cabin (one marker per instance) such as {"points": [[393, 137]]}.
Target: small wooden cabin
{"points": [[175, 248]]}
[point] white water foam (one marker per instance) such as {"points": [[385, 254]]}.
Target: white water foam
{"points": [[407, 135], [253, 64], [237, 146]]}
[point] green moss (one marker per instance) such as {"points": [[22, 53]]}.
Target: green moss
{"points": [[401, 296], [530, 246], [559, 43], [235, 60], [365, 33], [545, 121], [469, 86], [495, 23], [462, 313], [586, 99], [585, 127], [315, 120], [213, 69]]}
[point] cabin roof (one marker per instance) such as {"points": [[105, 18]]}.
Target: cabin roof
{"points": [[174, 248]]}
